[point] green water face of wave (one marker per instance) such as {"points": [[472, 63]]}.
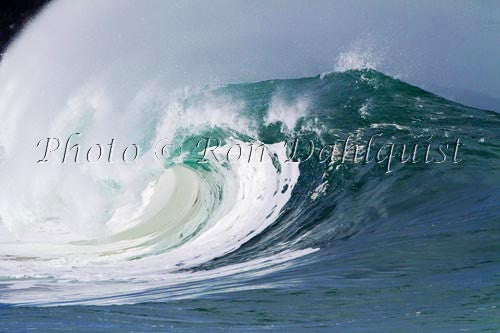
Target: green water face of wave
{"points": [[439, 149], [339, 200]]}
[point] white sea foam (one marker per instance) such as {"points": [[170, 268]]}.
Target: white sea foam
{"points": [[110, 223], [288, 113], [356, 59], [164, 238]]}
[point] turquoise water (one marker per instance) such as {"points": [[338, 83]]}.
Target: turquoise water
{"points": [[359, 248]]}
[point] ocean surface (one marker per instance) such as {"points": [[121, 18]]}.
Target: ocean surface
{"points": [[258, 243]]}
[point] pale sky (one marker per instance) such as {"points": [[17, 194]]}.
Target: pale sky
{"points": [[449, 47]]}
